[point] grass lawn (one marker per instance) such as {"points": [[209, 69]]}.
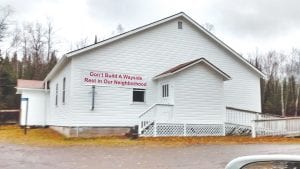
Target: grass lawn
{"points": [[48, 137]]}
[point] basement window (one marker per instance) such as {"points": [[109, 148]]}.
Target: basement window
{"points": [[138, 95], [179, 25]]}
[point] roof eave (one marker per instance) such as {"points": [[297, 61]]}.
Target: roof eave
{"points": [[224, 75], [125, 34], [20, 89], [224, 45], [56, 68]]}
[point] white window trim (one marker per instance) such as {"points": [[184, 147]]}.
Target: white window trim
{"points": [[135, 89]]}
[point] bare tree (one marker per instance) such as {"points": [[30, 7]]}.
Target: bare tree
{"points": [[83, 42], [16, 38], [49, 39], [37, 40], [4, 14]]}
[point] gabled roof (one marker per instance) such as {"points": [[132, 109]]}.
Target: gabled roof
{"points": [[186, 65], [30, 84], [148, 26]]}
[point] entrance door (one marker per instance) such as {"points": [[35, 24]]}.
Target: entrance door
{"points": [[24, 111], [165, 93], [165, 112]]}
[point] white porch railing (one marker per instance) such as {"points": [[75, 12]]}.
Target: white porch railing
{"points": [[245, 117], [241, 117], [149, 116], [276, 127], [158, 120], [244, 122]]}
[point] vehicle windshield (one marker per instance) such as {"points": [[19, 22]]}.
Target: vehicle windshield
{"points": [[273, 165]]}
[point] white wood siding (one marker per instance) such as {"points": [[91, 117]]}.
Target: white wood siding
{"points": [[148, 53], [58, 115], [199, 96], [36, 108]]}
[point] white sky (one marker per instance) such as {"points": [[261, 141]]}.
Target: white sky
{"points": [[243, 25]]}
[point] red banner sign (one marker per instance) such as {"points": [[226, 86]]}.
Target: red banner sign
{"points": [[125, 80]]}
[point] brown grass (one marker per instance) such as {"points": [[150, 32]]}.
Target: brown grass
{"points": [[48, 137]]}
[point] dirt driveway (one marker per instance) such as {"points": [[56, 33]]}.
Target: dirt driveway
{"points": [[80, 157]]}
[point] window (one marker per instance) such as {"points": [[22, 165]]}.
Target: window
{"points": [[56, 94], [179, 25], [138, 95], [165, 90], [93, 97], [64, 90]]}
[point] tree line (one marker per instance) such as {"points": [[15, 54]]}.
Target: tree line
{"points": [[30, 55], [280, 88]]}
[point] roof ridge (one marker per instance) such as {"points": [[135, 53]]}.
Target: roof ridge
{"points": [[139, 27]]}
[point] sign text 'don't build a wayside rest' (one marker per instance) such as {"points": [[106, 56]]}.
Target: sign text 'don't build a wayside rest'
{"points": [[100, 78]]}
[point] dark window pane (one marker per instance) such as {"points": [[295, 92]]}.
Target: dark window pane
{"points": [[138, 95], [64, 90], [179, 25], [56, 94], [165, 90]]}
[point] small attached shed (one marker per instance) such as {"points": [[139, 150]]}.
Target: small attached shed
{"points": [[33, 102]]}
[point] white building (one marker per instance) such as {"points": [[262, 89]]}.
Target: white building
{"points": [[170, 77]]}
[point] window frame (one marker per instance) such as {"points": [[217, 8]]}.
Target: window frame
{"points": [[165, 90], [64, 91], [180, 25], [144, 95], [56, 94]]}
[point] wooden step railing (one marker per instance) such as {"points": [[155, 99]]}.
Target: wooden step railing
{"points": [[148, 117]]}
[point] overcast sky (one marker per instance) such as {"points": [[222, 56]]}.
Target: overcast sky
{"points": [[243, 25]]}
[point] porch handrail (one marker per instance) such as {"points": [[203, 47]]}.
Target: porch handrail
{"points": [[152, 106], [279, 126], [243, 110], [254, 112], [278, 119]]}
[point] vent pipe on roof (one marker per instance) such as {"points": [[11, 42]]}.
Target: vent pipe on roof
{"points": [[95, 39]]}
